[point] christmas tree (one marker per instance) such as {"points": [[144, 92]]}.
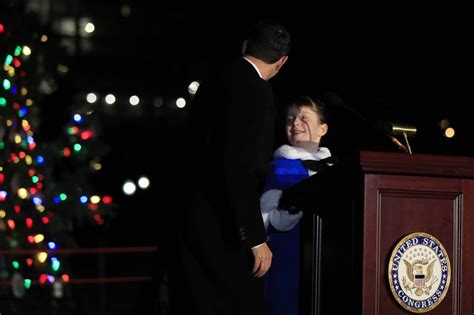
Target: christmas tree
{"points": [[45, 190]]}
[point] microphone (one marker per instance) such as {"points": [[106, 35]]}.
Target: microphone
{"points": [[386, 128], [392, 129]]}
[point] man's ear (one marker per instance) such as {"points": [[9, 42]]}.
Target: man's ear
{"points": [[281, 62], [244, 47]]}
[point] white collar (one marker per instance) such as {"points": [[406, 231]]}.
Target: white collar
{"points": [[254, 65], [293, 153]]}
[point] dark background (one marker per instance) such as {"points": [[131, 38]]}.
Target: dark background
{"points": [[398, 62]]}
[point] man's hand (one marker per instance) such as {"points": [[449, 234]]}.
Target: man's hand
{"points": [[263, 260]]}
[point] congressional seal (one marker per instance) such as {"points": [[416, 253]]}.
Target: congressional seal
{"points": [[419, 272]]}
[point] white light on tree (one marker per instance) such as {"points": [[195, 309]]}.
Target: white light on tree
{"points": [[89, 27], [143, 182], [110, 99], [95, 199], [180, 102], [134, 100], [26, 51], [91, 98], [193, 87], [129, 188]]}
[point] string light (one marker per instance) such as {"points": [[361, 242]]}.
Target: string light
{"points": [[11, 224], [134, 100], [89, 27], [42, 256], [17, 50], [77, 118], [91, 98], [95, 199], [55, 264], [29, 207], [6, 84], [37, 201], [26, 50], [27, 283], [449, 132], [180, 102], [67, 152], [110, 99], [40, 159], [143, 182], [193, 87], [43, 278], [85, 135], [39, 238], [8, 59], [129, 187], [22, 193]]}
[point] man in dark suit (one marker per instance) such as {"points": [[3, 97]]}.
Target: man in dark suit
{"points": [[222, 250]]}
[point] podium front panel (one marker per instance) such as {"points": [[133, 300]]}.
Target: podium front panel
{"points": [[397, 206]]}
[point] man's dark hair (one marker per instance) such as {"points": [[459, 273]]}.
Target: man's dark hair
{"points": [[268, 42]]}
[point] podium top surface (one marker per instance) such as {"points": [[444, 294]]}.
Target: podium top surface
{"points": [[373, 162]]}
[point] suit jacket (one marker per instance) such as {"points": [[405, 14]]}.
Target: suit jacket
{"points": [[230, 133], [232, 123]]}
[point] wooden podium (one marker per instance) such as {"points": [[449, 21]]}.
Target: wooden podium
{"points": [[360, 214]]}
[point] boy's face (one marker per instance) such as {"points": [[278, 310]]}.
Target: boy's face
{"points": [[303, 126]]}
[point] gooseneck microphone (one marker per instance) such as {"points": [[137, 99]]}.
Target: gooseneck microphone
{"points": [[386, 128]]}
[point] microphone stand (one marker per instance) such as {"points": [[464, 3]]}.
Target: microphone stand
{"points": [[405, 130], [389, 129]]}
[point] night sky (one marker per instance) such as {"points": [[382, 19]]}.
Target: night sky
{"points": [[402, 63], [397, 63]]}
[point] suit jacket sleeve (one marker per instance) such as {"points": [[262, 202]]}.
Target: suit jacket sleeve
{"points": [[248, 136]]}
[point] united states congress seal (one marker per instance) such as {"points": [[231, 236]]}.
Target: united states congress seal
{"points": [[419, 272]]}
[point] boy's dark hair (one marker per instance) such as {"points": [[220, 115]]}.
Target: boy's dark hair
{"points": [[305, 101], [268, 41]]}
